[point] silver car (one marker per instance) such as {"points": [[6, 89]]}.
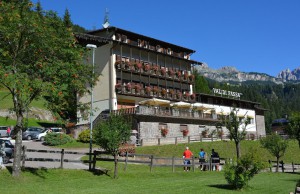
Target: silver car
{"points": [[31, 133]]}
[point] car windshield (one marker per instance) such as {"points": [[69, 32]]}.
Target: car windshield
{"points": [[44, 130]]}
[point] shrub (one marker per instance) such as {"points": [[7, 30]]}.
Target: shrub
{"points": [[84, 136], [55, 139], [243, 170]]}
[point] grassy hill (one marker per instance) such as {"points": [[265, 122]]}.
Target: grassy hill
{"points": [[226, 149]]}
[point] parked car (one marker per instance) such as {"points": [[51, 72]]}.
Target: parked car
{"points": [[31, 133], [3, 132], [42, 135], [9, 150]]}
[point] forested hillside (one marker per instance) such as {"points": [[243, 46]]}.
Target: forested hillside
{"points": [[279, 99]]}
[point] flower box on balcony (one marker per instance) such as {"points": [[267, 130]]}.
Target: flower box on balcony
{"points": [[137, 88], [118, 87], [186, 95], [147, 67], [178, 74], [178, 95], [118, 64], [127, 65], [185, 132], [155, 90], [138, 66], [163, 92], [193, 96], [155, 69], [163, 71], [164, 132], [128, 87], [191, 77], [185, 75], [148, 90]]}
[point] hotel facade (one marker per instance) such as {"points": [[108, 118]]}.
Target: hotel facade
{"points": [[152, 81]]}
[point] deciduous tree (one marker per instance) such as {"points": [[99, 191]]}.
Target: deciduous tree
{"points": [[38, 57], [237, 128], [275, 145], [293, 128], [112, 133]]}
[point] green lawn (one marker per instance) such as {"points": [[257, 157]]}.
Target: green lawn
{"points": [[31, 122], [138, 179], [226, 149], [6, 101]]}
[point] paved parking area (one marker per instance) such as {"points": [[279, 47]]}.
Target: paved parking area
{"points": [[40, 164]]}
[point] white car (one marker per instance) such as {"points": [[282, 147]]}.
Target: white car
{"points": [[42, 135]]}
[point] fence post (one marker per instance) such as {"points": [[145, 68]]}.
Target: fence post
{"points": [[141, 142], [212, 138], [62, 158], [151, 163], [94, 160], [193, 163], [293, 167], [173, 164], [176, 141], [189, 139], [158, 141], [282, 166], [126, 160], [210, 165], [200, 138], [23, 157], [270, 164]]}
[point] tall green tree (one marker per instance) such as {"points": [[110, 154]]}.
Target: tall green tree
{"points": [[112, 133], [201, 84], [237, 128], [293, 128], [275, 145], [38, 57]]}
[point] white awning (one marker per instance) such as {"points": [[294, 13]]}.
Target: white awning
{"points": [[155, 102], [181, 104]]}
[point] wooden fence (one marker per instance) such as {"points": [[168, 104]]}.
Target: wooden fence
{"points": [[284, 167], [146, 159], [154, 161]]}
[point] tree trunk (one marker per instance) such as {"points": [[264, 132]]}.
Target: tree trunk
{"points": [[116, 165], [18, 146], [277, 164], [237, 146]]}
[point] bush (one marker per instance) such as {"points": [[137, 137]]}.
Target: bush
{"points": [[84, 136], [243, 170], [55, 139]]}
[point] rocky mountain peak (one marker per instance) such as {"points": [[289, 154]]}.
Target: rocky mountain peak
{"points": [[288, 75]]}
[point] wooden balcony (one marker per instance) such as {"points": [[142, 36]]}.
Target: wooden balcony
{"points": [[167, 112]]}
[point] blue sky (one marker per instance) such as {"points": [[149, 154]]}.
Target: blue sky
{"points": [[251, 35]]}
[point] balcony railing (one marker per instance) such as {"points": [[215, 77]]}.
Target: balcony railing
{"points": [[166, 112], [155, 70], [137, 90], [173, 112]]}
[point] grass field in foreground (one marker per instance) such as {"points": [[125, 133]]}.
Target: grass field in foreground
{"points": [[138, 179]]}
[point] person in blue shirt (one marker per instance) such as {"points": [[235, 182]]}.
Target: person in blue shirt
{"points": [[202, 156]]}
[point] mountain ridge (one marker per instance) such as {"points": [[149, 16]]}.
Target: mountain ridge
{"points": [[231, 74]]}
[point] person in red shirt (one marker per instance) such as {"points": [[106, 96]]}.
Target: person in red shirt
{"points": [[187, 154]]}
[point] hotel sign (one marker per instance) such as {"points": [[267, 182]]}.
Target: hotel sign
{"points": [[227, 93]]}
